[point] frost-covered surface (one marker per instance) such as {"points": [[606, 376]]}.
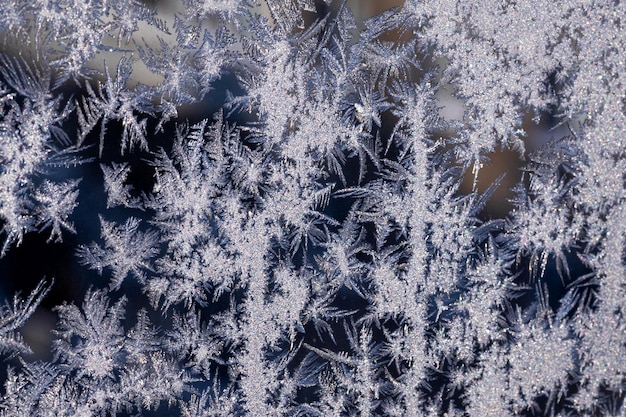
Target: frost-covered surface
{"points": [[308, 249]]}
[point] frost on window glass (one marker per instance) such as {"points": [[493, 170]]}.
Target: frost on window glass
{"points": [[312, 208]]}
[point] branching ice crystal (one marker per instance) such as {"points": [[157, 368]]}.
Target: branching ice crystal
{"points": [[270, 212]]}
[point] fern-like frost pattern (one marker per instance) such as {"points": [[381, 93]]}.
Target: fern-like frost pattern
{"points": [[274, 211]]}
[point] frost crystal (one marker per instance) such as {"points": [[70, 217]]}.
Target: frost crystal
{"points": [[274, 210]]}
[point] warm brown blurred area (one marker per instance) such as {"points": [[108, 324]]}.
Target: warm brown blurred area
{"points": [[364, 9]]}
